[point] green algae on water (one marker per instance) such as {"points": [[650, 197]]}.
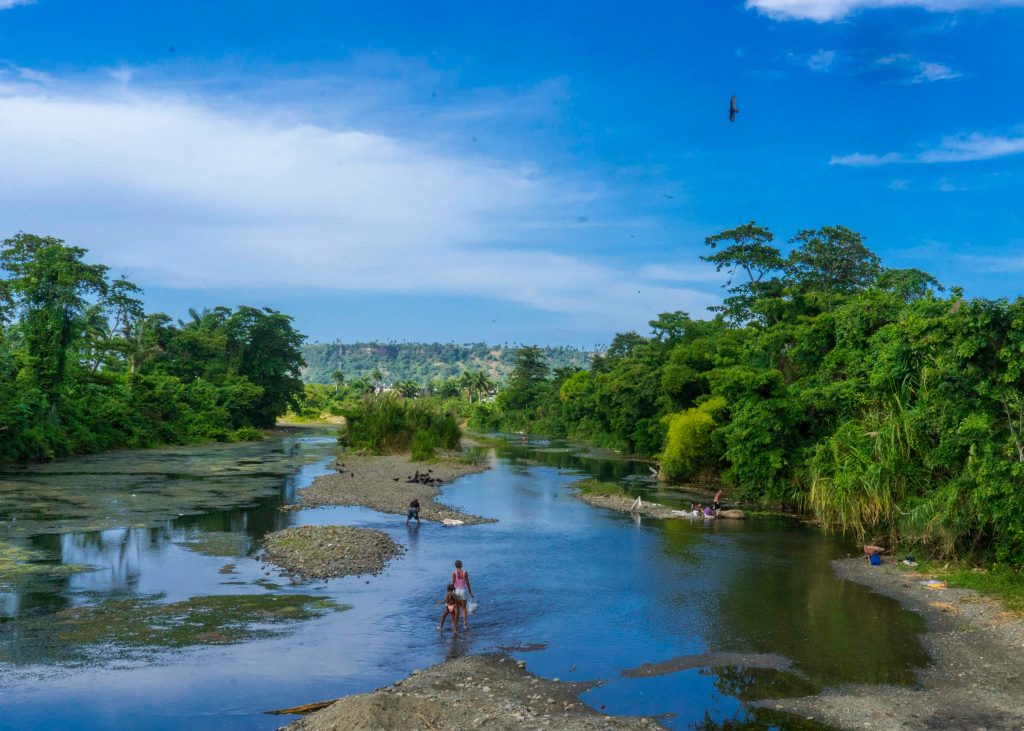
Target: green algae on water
{"points": [[221, 544], [143, 488], [131, 626], [20, 566]]}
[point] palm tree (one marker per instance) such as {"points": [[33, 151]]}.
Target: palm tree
{"points": [[482, 384], [408, 388]]}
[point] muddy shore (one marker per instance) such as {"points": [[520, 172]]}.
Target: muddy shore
{"points": [[473, 692], [976, 676], [330, 551], [382, 483]]}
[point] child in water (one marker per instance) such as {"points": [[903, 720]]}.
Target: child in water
{"points": [[452, 606]]}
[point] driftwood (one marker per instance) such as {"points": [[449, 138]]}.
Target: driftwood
{"points": [[303, 709]]}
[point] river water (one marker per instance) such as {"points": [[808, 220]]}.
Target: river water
{"points": [[577, 592]]}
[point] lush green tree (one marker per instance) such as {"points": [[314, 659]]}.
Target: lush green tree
{"points": [[747, 255], [84, 368], [49, 286]]}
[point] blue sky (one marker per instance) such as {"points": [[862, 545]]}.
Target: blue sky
{"points": [[513, 172]]}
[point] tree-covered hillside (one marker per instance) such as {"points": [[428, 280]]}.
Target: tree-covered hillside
{"points": [[422, 362]]}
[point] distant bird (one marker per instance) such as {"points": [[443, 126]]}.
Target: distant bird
{"points": [[668, 196], [733, 109]]}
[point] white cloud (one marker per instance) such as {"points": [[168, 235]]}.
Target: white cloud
{"points": [[23, 73], [1010, 264], [862, 160], [823, 11], [959, 148], [187, 192], [8, 4], [899, 184], [928, 71], [821, 61], [121, 74], [918, 71]]}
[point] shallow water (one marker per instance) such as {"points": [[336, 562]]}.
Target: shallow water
{"points": [[599, 592]]}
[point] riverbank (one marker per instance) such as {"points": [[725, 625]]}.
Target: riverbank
{"points": [[388, 483], [975, 679], [476, 691], [330, 551], [606, 495]]}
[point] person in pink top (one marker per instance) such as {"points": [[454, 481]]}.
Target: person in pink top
{"points": [[463, 590]]}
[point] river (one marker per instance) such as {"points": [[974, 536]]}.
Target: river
{"points": [[579, 593]]}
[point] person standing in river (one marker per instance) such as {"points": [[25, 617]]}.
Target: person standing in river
{"points": [[463, 590], [414, 511], [717, 502]]}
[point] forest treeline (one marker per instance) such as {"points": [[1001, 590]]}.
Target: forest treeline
{"points": [[84, 368], [824, 382], [420, 363]]}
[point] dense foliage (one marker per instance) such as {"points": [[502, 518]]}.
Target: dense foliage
{"points": [[825, 382], [390, 423], [84, 368], [420, 363]]}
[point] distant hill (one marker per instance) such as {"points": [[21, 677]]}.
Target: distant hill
{"points": [[422, 362]]}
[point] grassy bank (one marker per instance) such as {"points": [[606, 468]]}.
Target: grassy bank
{"points": [[1000, 582]]}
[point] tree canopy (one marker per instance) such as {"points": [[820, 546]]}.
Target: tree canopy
{"points": [[84, 368], [825, 382]]}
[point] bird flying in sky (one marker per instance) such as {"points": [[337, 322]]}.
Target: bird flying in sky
{"points": [[733, 110]]}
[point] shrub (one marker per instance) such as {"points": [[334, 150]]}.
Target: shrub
{"points": [[422, 446], [688, 446], [388, 423], [246, 434]]}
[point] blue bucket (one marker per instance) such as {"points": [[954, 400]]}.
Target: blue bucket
{"points": [[876, 559]]}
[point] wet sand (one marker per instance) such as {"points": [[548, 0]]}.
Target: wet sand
{"points": [[381, 483], [472, 692], [976, 676]]}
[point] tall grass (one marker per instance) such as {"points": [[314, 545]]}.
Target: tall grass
{"points": [[388, 423], [860, 475]]}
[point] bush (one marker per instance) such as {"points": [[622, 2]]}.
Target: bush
{"points": [[388, 423], [688, 447], [422, 446], [246, 434]]}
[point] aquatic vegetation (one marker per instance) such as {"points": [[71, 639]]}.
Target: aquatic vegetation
{"points": [[20, 566], [224, 543], [123, 627], [597, 487], [146, 487]]}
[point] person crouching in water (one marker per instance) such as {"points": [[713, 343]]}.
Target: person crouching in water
{"points": [[452, 606], [414, 511]]}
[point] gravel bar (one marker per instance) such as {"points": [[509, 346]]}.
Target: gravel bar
{"points": [[330, 551], [473, 692], [976, 676], [381, 483]]}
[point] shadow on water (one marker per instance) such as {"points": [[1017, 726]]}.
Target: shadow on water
{"points": [[583, 593]]}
